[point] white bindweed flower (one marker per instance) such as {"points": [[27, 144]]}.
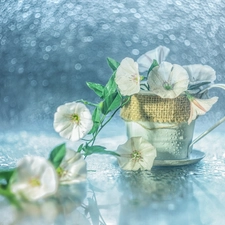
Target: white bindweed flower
{"points": [[200, 106], [136, 153], [145, 61], [168, 80], [35, 178], [73, 121], [200, 76], [127, 77], [72, 169], [200, 73]]}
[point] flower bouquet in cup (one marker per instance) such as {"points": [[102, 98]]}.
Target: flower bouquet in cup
{"points": [[159, 103], [155, 99]]}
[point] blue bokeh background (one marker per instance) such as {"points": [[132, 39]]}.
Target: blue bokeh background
{"points": [[50, 48]]}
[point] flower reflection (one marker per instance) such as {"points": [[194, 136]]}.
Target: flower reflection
{"points": [[63, 204], [162, 196]]}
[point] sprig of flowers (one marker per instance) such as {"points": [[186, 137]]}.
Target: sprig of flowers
{"points": [[37, 178], [82, 118], [74, 120]]}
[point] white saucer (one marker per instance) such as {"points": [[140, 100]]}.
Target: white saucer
{"points": [[194, 157]]}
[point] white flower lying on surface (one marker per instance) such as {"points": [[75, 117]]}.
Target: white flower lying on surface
{"points": [[136, 153], [127, 77], [35, 178], [200, 106], [145, 61], [167, 80], [72, 168], [73, 121], [200, 75]]}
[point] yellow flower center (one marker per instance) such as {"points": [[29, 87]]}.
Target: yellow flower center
{"points": [[75, 118], [35, 182], [60, 171], [136, 155]]}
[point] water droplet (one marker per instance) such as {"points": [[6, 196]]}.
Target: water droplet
{"points": [[78, 66]]}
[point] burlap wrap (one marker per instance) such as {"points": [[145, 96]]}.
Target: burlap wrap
{"points": [[156, 109]]}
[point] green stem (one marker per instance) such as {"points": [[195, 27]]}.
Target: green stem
{"points": [[113, 114], [97, 132], [87, 103], [145, 86], [189, 96], [110, 118], [10, 196], [102, 125]]}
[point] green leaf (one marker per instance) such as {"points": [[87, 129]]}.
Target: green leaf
{"points": [[110, 87], [111, 103], [97, 88], [96, 117], [57, 155], [94, 128], [154, 64], [6, 175], [80, 148], [125, 100], [115, 103], [97, 149], [113, 64], [196, 86], [11, 197]]}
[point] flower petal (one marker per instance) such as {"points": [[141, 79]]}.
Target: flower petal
{"points": [[68, 131], [150, 154], [41, 171], [67, 127], [200, 73], [145, 61], [136, 153], [167, 80], [127, 77], [200, 107], [74, 168]]}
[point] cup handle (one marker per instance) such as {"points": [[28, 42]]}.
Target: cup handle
{"points": [[215, 125], [205, 133]]}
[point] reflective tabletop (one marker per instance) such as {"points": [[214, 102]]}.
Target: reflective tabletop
{"points": [[189, 194]]}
